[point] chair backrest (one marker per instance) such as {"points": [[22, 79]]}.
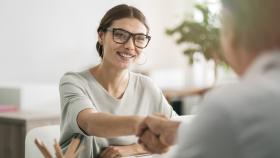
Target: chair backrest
{"points": [[47, 134]]}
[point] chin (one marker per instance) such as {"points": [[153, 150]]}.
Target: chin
{"points": [[124, 65]]}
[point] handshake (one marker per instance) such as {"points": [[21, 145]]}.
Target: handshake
{"points": [[157, 133]]}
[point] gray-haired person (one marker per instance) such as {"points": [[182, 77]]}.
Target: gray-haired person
{"points": [[240, 120]]}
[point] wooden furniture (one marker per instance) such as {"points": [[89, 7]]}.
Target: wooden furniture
{"points": [[14, 127], [170, 94], [175, 96]]}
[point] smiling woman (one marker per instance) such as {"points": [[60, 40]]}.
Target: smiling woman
{"points": [[119, 40], [107, 102]]}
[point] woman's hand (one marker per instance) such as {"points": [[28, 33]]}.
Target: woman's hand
{"points": [[71, 152], [121, 151]]}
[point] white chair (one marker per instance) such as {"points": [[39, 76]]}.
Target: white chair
{"points": [[47, 134]]}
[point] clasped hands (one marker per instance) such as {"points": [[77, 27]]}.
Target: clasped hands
{"points": [[157, 133]]}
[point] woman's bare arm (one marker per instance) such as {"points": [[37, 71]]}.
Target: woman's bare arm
{"points": [[123, 151], [107, 125]]}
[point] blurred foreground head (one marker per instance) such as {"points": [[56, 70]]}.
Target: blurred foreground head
{"points": [[249, 26]]}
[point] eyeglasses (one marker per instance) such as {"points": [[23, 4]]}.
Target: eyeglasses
{"points": [[121, 36]]}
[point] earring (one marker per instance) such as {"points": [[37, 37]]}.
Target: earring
{"points": [[100, 44], [99, 47]]}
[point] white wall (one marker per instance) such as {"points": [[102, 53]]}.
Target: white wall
{"points": [[42, 39]]}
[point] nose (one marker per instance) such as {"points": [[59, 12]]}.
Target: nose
{"points": [[129, 44]]}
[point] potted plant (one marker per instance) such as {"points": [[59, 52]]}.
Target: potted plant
{"points": [[200, 36]]}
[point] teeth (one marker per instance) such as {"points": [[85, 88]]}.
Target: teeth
{"points": [[126, 55]]}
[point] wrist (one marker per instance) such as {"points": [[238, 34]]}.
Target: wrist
{"points": [[136, 120], [171, 134], [174, 125], [133, 149], [140, 150]]}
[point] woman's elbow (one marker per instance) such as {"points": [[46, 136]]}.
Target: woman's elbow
{"points": [[84, 121]]}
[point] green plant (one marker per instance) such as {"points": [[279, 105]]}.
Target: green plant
{"points": [[200, 36]]}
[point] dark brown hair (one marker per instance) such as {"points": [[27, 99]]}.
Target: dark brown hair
{"points": [[116, 13], [256, 23]]}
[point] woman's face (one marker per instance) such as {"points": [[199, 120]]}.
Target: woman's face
{"points": [[121, 55]]}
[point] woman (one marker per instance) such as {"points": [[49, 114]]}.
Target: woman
{"points": [[107, 102]]}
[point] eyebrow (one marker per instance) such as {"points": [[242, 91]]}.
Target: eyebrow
{"points": [[139, 33]]}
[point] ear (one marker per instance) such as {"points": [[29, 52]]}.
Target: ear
{"points": [[101, 37]]}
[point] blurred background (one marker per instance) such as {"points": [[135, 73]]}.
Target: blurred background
{"points": [[41, 40]]}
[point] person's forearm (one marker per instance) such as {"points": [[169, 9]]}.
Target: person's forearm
{"points": [[108, 125], [134, 149], [139, 149]]}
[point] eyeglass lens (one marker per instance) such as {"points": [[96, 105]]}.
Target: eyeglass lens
{"points": [[122, 36]]}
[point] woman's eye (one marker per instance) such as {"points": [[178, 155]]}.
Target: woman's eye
{"points": [[140, 38], [120, 35]]}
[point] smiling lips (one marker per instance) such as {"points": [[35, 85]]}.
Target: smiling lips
{"points": [[125, 56]]}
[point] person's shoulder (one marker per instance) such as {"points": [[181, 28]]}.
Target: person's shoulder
{"points": [[72, 77], [233, 97], [143, 82], [221, 104], [223, 90], [138, 77]]}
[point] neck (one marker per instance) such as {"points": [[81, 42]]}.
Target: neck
{"points": [[113, 80], [245, 62]]}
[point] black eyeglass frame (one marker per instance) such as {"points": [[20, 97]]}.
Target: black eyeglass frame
{"points": [[130, 35]]}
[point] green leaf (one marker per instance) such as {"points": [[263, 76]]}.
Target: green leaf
{"points": [[204, 35]]}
